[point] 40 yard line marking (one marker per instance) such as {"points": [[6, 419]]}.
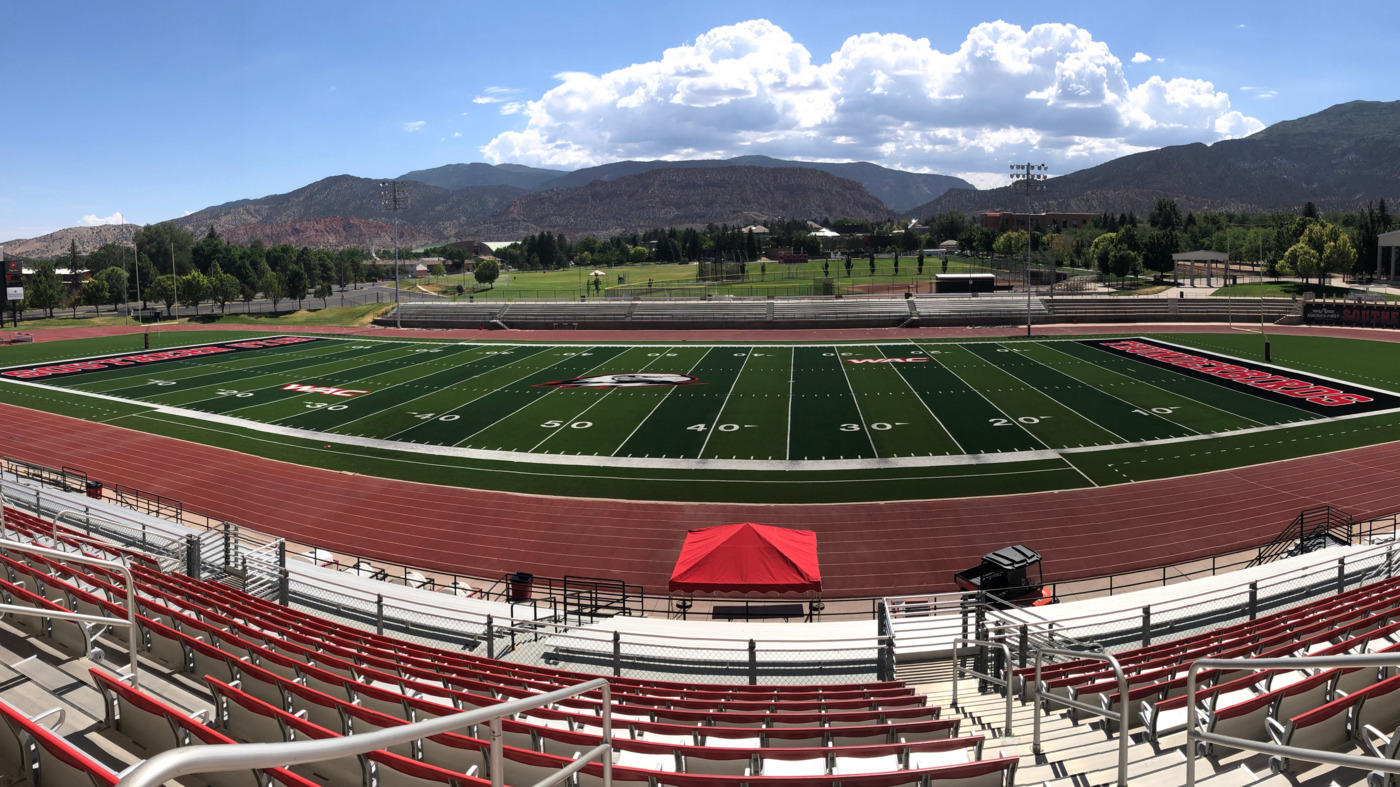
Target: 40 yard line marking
{"points": [[664, 397], [719, 415]]}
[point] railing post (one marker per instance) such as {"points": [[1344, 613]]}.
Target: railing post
{"points": [[228, 544], [1024, 646], [753, 663], [1253, 600], [379, 614], [1147, 625], [282, 554], [192, 556], [284, 587], [617, 654], [1341, 574], [490, 637], [497, 762]]}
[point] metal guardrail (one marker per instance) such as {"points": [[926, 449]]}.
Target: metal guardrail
{"points": [[1121, 716], [219, 758], [68, 557], [1004, 682], [1195, 735]]}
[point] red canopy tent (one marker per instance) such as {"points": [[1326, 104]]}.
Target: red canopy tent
{"points": [[747, 557]]}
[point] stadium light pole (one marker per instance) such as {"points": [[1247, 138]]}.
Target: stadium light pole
{"points": [[1030, 177], [394, 194], [136, 268]]}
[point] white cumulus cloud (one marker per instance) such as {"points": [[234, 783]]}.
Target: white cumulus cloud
{"points": [[1051, 92], [1142, 57], [414, 125], [94, 220]]}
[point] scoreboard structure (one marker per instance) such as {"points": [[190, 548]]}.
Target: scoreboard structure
{"points": [[14, 281]]}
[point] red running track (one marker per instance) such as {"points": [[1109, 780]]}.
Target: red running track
{"points": [[866, 548]]}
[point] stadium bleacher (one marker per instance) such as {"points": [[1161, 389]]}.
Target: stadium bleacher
{"points": [[221, 665]]}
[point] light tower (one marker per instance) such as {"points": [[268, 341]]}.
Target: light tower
{"points": [[1030, 177], [394, 197]]}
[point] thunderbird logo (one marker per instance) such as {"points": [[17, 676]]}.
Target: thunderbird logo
{"points": [[624, 380]]}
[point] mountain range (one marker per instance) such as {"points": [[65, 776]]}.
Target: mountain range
{"points": [[1337, 159]]}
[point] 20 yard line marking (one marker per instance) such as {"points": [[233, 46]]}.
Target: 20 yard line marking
{"points": [[1009, 418]]}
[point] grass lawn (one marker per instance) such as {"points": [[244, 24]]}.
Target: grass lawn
{"points": [[1142, 289], [348, 316], [1286, 289]]}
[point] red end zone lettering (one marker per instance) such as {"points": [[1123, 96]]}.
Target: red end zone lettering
{"points": [[103, 364], [915, 359]]}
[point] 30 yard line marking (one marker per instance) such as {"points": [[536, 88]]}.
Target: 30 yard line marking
{"points": [[664, 397], [910, 386], [864, 426]]}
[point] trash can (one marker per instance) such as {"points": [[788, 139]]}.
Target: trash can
{"points": [[94, 490], [520, 584]]}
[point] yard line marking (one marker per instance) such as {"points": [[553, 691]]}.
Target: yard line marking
{"points": [[486, 393], [445, 387], [792, 375], [664, 397], [719, 416], [1009, 417], [337, 372], [910, 386], [591, 370], [865, 426], [1158, 387], [595, 403], [337, 364], [409, 381], [1101, 390]]}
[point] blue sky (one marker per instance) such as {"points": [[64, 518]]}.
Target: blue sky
{"points": [[154, 109]]}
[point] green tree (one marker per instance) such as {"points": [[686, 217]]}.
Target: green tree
{"points": [[44, 290], [486, 273], [921, 262], [115, 279], [849, 261], [1338, 256], [224, 288], [437, 269], [872, 263], [194, 288], [638, 254], [1300, 260], [162, 290], [323, 291], [163, 242], [295, 280], [272, 288], [1165, 215], [94, 293], [1011, 244]]}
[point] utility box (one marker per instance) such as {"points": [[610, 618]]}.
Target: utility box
{"points": [[1011, 573]]}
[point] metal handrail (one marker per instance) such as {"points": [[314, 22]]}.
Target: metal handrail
{"points": [[1121, 716], [1195, 735], [219, 758], [118, 565], [1003, 682]]}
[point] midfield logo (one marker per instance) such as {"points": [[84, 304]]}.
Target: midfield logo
{"points": [[915, 359], [624, 380]]}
